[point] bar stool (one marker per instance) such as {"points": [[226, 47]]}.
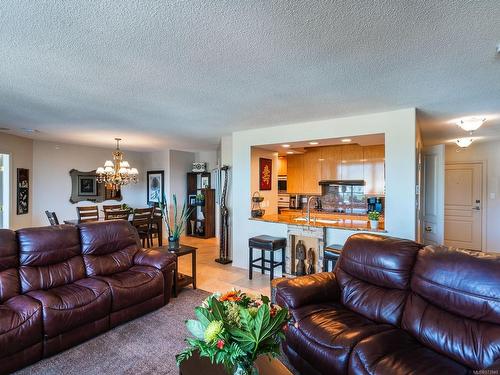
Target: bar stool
{"points": [[331, 255], [266, 243]]}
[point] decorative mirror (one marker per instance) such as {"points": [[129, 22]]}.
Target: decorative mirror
{"points": [[84, 187]]}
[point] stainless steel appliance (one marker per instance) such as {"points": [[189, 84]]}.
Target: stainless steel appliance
{"points": [[283, 201], [375, 204], [281, 184], [295, 201]]}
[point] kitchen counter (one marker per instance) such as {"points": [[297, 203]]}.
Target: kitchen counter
{"points": [[336, 221]]}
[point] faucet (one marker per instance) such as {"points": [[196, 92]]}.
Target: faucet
{"points": [[309, 208]]}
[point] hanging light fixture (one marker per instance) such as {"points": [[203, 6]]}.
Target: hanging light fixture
{"points": [[117, 172], [471, 124], [464, 142]]}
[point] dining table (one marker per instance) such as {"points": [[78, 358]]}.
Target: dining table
{"points": [[157, 220]]}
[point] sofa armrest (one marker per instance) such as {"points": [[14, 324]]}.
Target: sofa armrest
{"points": [[308, 290], [155, 258], [494, 369]]}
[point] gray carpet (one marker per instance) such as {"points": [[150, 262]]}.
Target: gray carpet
{"points": [[146, 345]]}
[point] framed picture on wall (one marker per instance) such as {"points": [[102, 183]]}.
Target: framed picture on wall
{"points": [[265, 173], [23, 190], [87, 185], [155, 186]]}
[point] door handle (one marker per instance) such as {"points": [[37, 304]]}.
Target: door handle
{"points": [[477, 208], [428, 228]]}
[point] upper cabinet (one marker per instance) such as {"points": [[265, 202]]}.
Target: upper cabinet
{"points": [[295, 174], [343, 162], [282, 166]]}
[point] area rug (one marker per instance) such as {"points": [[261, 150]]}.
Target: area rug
{"points": [[146, 345]]}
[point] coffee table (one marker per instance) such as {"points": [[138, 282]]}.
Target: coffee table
{"points": [[197, 365], [181, 280]]}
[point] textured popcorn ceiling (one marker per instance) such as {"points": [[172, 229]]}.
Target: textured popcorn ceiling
{"points": [[183, 73]]}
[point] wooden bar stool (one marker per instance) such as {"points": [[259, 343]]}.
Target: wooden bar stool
{"points": [[266, 243], [331, 255]]}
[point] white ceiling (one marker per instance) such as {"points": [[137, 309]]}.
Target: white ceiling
{"points": [[183, 73]]}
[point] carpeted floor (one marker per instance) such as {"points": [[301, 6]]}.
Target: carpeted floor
{"points": [[146, 345]]}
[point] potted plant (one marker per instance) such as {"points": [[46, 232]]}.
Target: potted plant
{"points": [[175, 224], [200, 199], [234, 329], [374, 217]]}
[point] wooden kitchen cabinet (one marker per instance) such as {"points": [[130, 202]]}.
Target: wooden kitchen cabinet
{"points": [[282, 168], [312, 171], [374, 169], [352, 162], [331, 162], [295, 174]]}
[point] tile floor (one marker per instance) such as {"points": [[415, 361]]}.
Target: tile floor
{"points": [[212, 276]]}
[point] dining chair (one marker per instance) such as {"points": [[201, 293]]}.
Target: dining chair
{"points": [[109, 207], [52, 218], [116, 215], [156, 225], [87, 213], [142, 222]]}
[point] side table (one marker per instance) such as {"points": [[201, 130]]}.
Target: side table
{"points": [[181, 280]]}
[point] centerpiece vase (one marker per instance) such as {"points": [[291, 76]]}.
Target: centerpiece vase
{"points": [[245, 368], [173, 243]]}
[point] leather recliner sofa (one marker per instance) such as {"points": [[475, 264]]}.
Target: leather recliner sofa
{"points": [[62, 285], [393, 307]]}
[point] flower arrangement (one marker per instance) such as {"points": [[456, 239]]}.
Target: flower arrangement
{"points": [[234, 329], [175, 224]]}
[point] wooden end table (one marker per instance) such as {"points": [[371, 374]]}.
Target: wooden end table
{"points": [[181, 280], [197, 365]]}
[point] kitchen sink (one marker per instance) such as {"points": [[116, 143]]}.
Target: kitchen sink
{"points": [[321, 221]]}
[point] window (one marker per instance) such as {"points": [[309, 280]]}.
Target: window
{"points": [[4, 191]]}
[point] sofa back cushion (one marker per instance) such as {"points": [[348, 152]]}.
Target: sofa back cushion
{"points": [[9, 262], [108, 247], [454, 307], [373, 273], [49, 257]]}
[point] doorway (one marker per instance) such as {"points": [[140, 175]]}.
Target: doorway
{"points": [[463, 219], [4, 191]]}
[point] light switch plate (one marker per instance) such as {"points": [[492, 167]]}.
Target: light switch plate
{"points": [[493, 195]]}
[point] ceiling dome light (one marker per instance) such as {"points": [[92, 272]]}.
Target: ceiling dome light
{"points": [[285, 146], [346, 140], [471, 124], [314, 143], [464, 142]]}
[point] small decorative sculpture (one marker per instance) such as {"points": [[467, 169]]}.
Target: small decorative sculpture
{"points": [[224, 220], [310, 261], [300, 254]]}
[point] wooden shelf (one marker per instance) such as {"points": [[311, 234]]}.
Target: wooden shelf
{"points": [[207, 209]]}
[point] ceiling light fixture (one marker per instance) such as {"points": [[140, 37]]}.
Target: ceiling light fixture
{"points": [[118, 172], [314, 143], [285, 146], [290, 152], [346, 140], [471, 124], [464, 142]]}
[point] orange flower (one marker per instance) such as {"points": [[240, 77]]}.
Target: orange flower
{"points": [[231, 296]]}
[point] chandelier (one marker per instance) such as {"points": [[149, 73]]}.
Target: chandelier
{"points": [[117, 172]]}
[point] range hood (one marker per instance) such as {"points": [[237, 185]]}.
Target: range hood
{"points": [[343, 182]]}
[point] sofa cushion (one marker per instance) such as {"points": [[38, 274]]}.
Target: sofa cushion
{"points": [[49, 257], [373, 273], [9, 263], [108, 247], [136, 285], [69, 306], [326, 334], [455, 306], [20, 324], [396, 352]]}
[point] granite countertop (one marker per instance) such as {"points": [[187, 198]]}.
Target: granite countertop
{"points": [[342, 221]]}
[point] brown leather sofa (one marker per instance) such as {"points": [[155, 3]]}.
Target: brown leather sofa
{"points": [[64, 284], [393, 307]]}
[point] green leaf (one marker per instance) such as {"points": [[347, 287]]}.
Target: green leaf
{"points": [[275, 325], [246, 320], [196, 328], [203, 316], [217, 309], [264, 299], [260, 318]]}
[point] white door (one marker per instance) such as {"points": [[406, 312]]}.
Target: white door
{"points": [[433, 196], [463, 205]]}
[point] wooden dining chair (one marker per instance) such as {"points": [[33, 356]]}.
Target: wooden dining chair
{"points": [[108, 207], [52, 218], [142, 222], [87, 213], [156, 225], [116, 214]]}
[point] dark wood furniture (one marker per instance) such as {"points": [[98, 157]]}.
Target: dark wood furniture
{"points": [[156, 227], [156, 220], [108, 207], [181, 280], [53, 220], [330, 256], [87, 213], [197, 365], [207, 207], [266, 243], [116, 214], [141, 220]]}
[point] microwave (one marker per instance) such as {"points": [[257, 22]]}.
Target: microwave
{"points": [[281, 184]]}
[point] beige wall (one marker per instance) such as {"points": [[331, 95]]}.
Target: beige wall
{"points": [[489, 153], [270, 203], [21, 156]]}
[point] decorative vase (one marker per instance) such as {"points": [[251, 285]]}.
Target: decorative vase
{"points": [[374, 224], [173, 243], [192, 222], [245, 368]]}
